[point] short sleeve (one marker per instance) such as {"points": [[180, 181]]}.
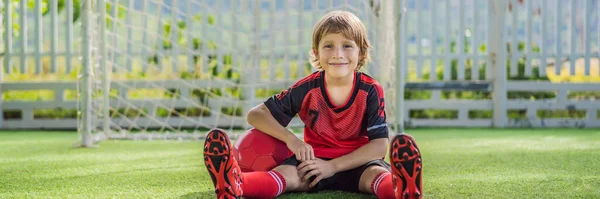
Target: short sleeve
{"points": [[376, 116], [285, 105]]}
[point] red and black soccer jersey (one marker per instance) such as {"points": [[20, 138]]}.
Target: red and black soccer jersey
{"points": [[333, 131]]}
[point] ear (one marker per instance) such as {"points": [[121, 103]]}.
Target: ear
{"points": [[315, 52]]}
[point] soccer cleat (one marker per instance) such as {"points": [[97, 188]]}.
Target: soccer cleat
{"points": [[222, 166], [407, 166]]}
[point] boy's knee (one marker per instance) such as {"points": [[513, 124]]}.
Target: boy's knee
{"points": [[368, 176], [292, 180]]}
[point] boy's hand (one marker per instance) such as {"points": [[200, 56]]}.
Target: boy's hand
{"points": [[321, 169], [302, 150]]}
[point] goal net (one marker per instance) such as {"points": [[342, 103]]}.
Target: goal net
{"points": [[174, 69]]}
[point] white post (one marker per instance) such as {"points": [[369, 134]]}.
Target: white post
{"points": [[475, 43], [386, 56], [514, 45], [497, 53], [7, 21], [447, 40], [250, 80], [174, 44], [23, 35], [38, 36], [401, 64], [115, 50], [419, 10], [219, 25], [434, 33], [86, 86], [588, 40], [528, 44], [204, 26], [128, 62], [544, 36], [558, 29], [190, 52], [573, 36], [145, 36], [106, 72], [460, 50], [69, 39], [54, 35]]}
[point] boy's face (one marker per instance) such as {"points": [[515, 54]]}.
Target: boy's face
{"points": [[338, 55]]}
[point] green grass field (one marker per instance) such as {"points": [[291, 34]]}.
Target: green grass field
{"points": [[458, 163]]}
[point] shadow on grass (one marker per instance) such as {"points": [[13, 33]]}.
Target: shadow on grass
{"points": [[320, 195], [326, 195]]}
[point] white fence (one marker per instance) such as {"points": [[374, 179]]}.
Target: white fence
{"points": [[468, 37], [553, 42]]}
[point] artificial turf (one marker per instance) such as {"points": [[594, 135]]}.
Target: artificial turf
{"points": [[458, 163]]}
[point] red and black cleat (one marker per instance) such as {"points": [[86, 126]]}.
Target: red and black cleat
{"points": [[407, 166], [222, 166]]}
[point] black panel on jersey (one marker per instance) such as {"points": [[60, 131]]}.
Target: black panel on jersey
{"points": [[285, 105], [375, 117]]}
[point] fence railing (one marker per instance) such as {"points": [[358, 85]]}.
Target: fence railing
{"points": [[538, 59]]}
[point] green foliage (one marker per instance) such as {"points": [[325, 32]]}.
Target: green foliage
{"points": [[180, 112], [61, 6], [15, 17], [480, 114], [583, 95], [121, 11], [433, 114], [223, 70], [232, 111], [181, 37], [54, 113]]}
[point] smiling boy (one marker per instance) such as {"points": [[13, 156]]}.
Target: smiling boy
{"points": [[345, 136]]}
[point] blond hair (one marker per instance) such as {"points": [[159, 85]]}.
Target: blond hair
{"points": [[347, 24]]}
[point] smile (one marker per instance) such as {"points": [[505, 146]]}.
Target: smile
{"points": [[338, 64]]}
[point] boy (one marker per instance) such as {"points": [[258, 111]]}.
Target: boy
{"points": [[345, 134]]}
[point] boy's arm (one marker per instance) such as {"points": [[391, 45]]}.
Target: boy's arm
{"points": [[375, 149], [261, 118]]}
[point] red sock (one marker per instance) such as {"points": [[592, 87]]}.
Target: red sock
{"points": [[262, 184], [382, 185]]}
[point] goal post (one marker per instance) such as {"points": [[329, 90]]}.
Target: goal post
{"points": [[158, 70], [85, 87]]}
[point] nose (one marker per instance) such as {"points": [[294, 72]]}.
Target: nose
{"points": [[338, 52]]}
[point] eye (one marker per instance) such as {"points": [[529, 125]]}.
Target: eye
{"points": [[347, 46], [327, 46]]}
